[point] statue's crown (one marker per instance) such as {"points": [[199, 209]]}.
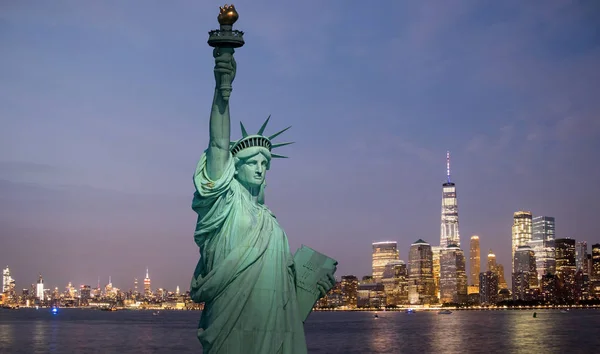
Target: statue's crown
{"points": [[257, 140]]}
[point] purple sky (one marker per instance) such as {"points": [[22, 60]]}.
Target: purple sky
{"points": [[104, 113]]}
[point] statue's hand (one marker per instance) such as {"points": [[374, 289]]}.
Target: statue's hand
{"points": [[325, 284], [224, 64]]}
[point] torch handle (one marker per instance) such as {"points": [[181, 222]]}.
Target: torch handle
{"points": [[226, 79]]}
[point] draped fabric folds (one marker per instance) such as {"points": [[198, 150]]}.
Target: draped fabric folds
{"points": [[245, 275]]}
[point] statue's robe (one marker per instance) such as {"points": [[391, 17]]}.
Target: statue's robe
{"points": [[245, 275]]}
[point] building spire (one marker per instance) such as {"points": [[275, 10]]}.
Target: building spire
{"points": [[147, 276], [448, 165]]}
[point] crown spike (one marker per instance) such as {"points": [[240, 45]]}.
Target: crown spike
{"points": [[244, 132], [275, 156], [277, 134], [274, 146], [262, 128]]}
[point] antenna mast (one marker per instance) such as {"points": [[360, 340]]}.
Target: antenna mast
{"points": [[448, 165]]}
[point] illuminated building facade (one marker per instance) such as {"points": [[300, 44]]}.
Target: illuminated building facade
{"points": [[542, 243], [85, 293], [581, 256], [521, 231], [492, 266], [453, 276], [449, 226], [488, 288], [7, 280], [147, 289], [501, 279], [349, 291], [496, 268], [436, 251], [566, 268], [395, 283], [474, 261], [420, 274], [544, 228], [595, 274], [39, 289], [383, 253], [525, 276]]}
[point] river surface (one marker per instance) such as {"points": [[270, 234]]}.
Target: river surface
{"points": [[92, 331]]}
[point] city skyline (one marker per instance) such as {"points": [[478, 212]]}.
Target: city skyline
{"points": [[105, 107]]}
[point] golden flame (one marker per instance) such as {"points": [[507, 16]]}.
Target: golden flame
{"points": [[227, 15]]}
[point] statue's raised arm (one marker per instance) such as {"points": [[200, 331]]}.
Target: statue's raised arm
{"points": [[217, 155]]}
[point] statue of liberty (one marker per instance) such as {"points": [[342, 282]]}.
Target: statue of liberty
{"points": [[246, 275]]}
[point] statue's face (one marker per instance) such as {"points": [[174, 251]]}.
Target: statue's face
{"points": [[252, 171]]}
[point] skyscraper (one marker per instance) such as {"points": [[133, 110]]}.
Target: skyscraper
{"points": [[474, 261], [595, 261], [544, 228], [491, 262], [488, 288], [6, 280], [39, 289], [565, 267], [449, 229], [349, 290], [581, 256], [524, 277], [420, 273], [383, 253], [521, 231], [436, 252], [147, 289], [453, 276], [542, 243]]}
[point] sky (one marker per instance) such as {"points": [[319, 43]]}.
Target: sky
{"points": [[104, 111]]}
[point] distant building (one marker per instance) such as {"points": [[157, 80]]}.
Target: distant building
{"points": [[566, 268], [525, 275], [581, 256], [497, 268], [371, 295], [488, 288], [436, 252], [383, 253], [474, 261], [7, 281], [395, 283], [147, 288], [349, 291], [542, 243], [449, 227], [595, 273], [453, 277], [549, 288], [521, 230], [544, 228], [420, 274], [501, 279], [492, 266], [39, 290]]}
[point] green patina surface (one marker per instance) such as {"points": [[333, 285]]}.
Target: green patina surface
{"points": [[246, 275]]}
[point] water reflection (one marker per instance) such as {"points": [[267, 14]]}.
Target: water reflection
{"points": [[447, 332], [6, 335], [38, 336], [381, 332], [526, 333]]}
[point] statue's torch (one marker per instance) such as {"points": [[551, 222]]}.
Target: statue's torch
{"points": [[226, 38]]}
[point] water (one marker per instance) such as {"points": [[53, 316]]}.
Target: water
{"points": [[89, 331]]}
